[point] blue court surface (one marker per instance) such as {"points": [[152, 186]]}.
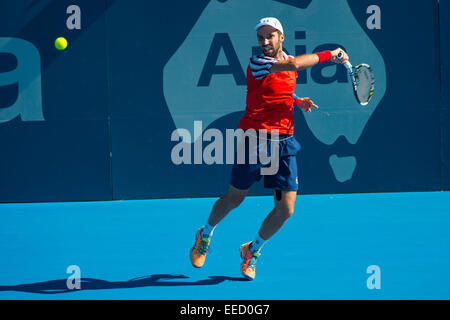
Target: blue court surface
{"points": [[139, 249]]}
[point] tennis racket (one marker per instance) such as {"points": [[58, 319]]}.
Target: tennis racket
{"points": [[362, 79]]}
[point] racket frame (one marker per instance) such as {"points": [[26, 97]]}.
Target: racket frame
{"points": [[351, 71]]}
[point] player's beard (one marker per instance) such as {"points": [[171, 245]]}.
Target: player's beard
{"points": [[275, 49]]}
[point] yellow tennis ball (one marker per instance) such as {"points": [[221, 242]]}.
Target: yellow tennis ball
{"points": [[61, 43]]}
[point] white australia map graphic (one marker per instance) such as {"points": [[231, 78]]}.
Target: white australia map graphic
{"points": [[322, 21]]}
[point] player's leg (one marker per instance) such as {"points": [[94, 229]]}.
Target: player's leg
{"points": [[285, 186], [231, 200], [283, 210]]}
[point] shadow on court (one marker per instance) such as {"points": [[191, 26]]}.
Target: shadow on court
{"points": [[154, 280]]}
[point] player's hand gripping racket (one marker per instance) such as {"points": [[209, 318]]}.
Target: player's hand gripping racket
{"points": [[362, 79]]}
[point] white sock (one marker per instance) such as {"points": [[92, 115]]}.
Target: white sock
{"points": [[257, 244], [208, 230]]}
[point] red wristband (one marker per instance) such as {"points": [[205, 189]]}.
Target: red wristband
{"points": [[324, 56]]}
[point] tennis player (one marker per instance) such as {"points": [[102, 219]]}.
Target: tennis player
{"points": [[271, 79]]}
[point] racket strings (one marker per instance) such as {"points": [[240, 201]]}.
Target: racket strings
{"points": [[364, 83]]}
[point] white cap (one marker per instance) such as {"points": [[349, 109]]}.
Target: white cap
{"points": [[270, 21]]}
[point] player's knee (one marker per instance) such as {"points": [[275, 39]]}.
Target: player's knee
{"points": [[286, 212], [289, 212], [233, 200]]}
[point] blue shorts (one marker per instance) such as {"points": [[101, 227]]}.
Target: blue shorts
{"points": [[285, 178]]}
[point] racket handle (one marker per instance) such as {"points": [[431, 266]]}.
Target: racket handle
{"points": [[348, 65]]}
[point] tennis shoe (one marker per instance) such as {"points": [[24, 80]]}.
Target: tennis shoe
{"points": [[198, 251], [248, 261]]}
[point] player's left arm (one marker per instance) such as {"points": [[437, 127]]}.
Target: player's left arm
{"points": [[306, 104]]}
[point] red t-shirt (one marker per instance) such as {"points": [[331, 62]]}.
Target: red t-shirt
{"points": [[269, 97]]}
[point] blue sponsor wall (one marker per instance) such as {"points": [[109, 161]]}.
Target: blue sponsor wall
{"points": [[95, 121], [444, 10], [62, 153]]}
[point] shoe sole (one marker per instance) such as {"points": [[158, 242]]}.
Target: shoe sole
{"points": [[191, 260]]}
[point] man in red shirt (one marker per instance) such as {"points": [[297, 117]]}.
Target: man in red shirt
{"points": [[271, 79]]}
